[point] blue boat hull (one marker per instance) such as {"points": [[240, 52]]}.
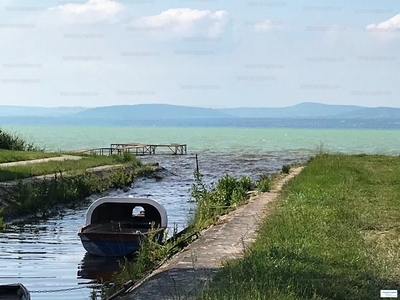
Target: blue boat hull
{"points": [[114, 244], [109, 248]]}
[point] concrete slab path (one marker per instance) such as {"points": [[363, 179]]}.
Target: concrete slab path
{"points": [[40, 160], [188, 273]]}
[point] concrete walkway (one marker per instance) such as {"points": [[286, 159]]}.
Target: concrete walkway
{"points": [[40, 160], [188, 273]]}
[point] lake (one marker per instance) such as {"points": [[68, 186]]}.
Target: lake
{"points": [[48, 255]]}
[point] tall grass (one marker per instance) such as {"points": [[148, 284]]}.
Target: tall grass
{"points": [[12, 155], [333, 234], [75, 166], [211, 202], [11, 141], [217, 199], [44, 196]]}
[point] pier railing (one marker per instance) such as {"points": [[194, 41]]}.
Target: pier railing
{"points": [[135, 148]]}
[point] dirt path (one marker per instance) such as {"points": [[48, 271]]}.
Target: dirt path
{"points": [[36, 161], [188, 273]]}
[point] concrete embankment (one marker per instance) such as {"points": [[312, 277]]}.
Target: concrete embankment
{"points": [[188, 273]]}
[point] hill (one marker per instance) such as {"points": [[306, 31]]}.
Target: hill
{"points": [[305, 109], [150, 111], [303, 115], [31, 111], [375, 112]]}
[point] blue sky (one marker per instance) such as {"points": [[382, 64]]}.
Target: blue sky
{"points": [[204, 53]]}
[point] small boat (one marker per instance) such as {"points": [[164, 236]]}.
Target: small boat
{"points": [[115, 227], [15, 291]]}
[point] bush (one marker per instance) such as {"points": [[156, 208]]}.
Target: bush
{"points": [[10, 141], [218, 199], [127, 157], [226, 185], [264, 184], [246, 183], [286, 169]]}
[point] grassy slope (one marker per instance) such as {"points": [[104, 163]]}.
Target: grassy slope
{"points": [[333, 234], [19, 172], [11, 155]]}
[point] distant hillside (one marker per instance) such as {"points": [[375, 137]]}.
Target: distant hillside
{"points": [[375, 112], [306, 109], [122, 114], [21, 111], [150, 111]]}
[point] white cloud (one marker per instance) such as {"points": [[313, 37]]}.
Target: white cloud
{"points": [[390, 25], [266, 25], [93, 11], [186, 21]]}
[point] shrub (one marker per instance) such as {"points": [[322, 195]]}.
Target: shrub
{"points": [[127, 157], [226, 185], [264, 184], [246, 183], [286, 169], [215, 200], [10, 141]]}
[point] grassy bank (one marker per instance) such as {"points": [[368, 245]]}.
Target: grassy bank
{"points": [[76, 166], [332, 234], [11, 155], [44, 196], [211, 201], [66, 183]]}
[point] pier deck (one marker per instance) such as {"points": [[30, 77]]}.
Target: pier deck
{"points": [[136, 148]]}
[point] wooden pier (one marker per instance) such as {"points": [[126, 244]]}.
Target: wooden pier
{"points": [[135, 148]]}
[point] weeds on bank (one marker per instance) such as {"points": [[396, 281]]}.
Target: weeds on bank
{"points": [[147, 258], [217, 199], [12, 156], [211, 201], [264, 184], [333, 234], [151, 255], [11, 141], [43, 196], [75, 166]]}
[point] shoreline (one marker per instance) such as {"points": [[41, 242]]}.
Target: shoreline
{"points": [[99, 180], [189, 271]]}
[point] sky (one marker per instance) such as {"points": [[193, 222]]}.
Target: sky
{"points": [[203, 53]]}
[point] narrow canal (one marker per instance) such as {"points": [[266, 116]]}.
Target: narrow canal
{"points": [[48, 258]]}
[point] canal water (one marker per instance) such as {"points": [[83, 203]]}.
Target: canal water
{"points": [[47, 256]]}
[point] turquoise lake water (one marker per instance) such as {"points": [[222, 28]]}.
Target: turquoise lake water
{"points": [[216, 140], [48, 255]]}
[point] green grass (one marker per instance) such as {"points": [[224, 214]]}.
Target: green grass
{"points": [[211, 201], [217, 199], [332, 234], [74, 166], [12, 156], [39, 198]]}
